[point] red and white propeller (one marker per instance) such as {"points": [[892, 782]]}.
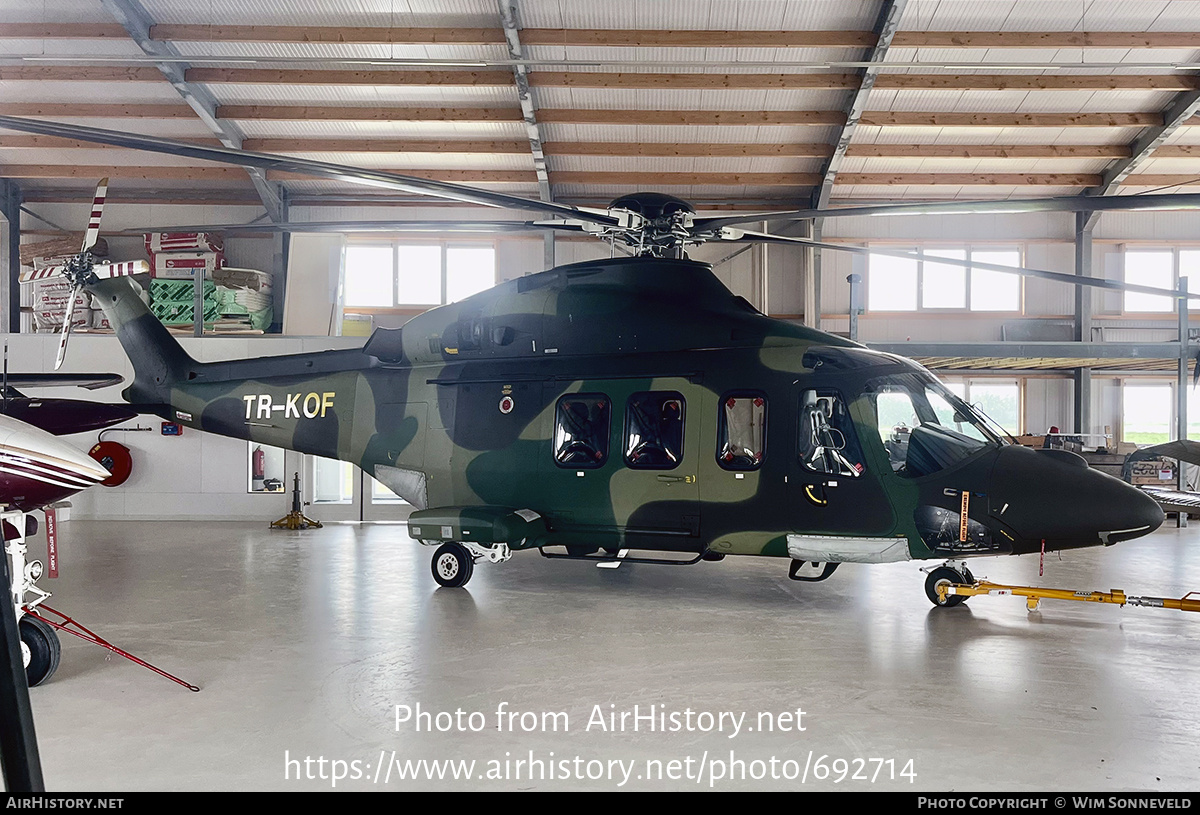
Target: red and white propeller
{"points": [[82, 267]]}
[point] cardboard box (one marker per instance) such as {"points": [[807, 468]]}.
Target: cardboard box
{"points": [[50, 305], [183, 242], [184, 265], [251, 279]]}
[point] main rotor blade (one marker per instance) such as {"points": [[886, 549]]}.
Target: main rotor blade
{"points": [[93, 230], [318, 169], [371, 226], [1066, 203], [1059, 277]]}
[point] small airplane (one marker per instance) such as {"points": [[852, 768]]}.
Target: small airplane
{"points": [[636, 404], [36, 470]]}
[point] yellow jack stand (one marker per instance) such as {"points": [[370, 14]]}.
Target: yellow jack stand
{"points": [[296, 519], [1034, 595]]}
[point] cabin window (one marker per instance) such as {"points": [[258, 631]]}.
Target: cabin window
{"points": [[581, 431], [828, 443], [741, 431], [654, 430]]}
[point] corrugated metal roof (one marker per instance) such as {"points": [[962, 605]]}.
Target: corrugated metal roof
{"points": [[314, 128], [325, 12], [354, 95], [726, 15], [55, 11]]}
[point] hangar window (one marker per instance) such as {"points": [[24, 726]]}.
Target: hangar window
{"points": [[654, 430], [333, 481], [928, 283], [741, 431], [1189, 268], [1147, 412], [402, 274], [828, 443], [999, 399], [581, 430]]}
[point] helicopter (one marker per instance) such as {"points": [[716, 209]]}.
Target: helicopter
{"points": [[636, 405]]}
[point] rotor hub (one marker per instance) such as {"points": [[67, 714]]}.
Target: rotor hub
{"points": [[659, 225]]}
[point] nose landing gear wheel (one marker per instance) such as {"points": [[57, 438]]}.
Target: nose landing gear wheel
{"points": [[40, 649], [945, 575], [452, 565]]}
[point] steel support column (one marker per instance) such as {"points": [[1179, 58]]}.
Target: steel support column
{"points": [[1083, 320], [812, 288], [1181, 393], [10, 257]]}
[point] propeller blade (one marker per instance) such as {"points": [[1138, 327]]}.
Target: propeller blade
{"points": [[1067, 203], [317, 169], [125, 269], [66, 329], [735, 235], [93, 230]]}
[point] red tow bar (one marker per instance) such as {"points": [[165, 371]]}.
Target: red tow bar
{"points": [[69, 625]]}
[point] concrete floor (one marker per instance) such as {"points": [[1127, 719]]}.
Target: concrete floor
{"points": [[304, 643]]}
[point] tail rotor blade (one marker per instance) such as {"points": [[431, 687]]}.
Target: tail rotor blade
{"points": [[42, 273], [125, 269], [93, 230], [66, 329]]}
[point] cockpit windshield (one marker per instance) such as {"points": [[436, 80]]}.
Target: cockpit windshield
{"points": [[924, 427]]}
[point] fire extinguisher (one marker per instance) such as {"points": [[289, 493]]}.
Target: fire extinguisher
{"points": [[258, 469]]}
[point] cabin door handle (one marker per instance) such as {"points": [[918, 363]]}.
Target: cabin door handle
{"points": [[670, 479]]}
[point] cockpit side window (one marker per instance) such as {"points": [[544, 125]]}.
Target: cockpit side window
{"points": [[654, 430], [828, 443], [581, 430], [923, 426], [741, 431]]}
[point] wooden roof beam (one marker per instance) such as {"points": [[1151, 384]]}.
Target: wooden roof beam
{"points": [[666, 39], [364, 113], [650, 149], [769, 179]]}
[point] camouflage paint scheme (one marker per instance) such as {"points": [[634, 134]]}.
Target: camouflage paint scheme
{"points": [[421, 409]]}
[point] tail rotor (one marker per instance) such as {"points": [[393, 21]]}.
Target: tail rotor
{"points": [[82, 269]]}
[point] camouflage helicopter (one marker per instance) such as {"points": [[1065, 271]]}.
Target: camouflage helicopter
{"points": [[635, 404]]}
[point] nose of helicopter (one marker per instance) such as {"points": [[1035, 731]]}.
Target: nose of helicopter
{"points": [[1054, 496]]}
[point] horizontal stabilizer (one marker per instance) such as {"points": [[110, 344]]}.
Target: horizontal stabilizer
{"points": [[89, 381]]}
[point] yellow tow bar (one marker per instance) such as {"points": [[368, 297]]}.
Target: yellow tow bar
{"points": [[1034, 595]]}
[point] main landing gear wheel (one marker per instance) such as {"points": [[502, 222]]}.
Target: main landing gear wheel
{"points": [[40, 649], [945, 575], [452, 565]]}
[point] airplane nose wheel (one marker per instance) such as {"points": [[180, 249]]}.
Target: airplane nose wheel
{"points": [[945, 575], [40, 650], [452, 565]]}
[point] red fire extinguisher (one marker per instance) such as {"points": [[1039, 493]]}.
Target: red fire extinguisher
{"points": [[258, 469]]}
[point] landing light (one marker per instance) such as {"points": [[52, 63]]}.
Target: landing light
{"points": [[33, 571]]}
